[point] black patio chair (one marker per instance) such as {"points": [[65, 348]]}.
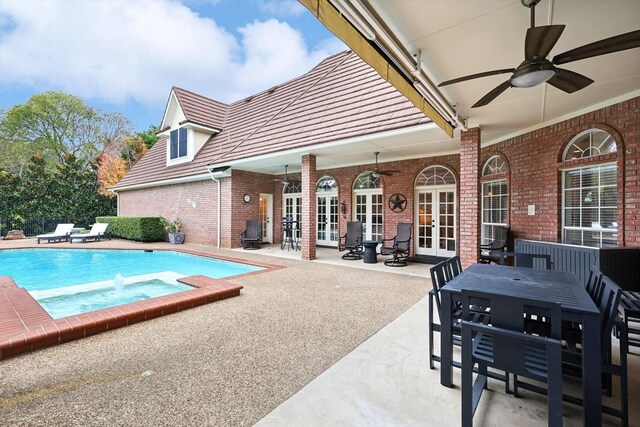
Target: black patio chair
{"points": [[572, 359], [251, 237], [398, 246], [352, 241], [441, 274], [537, 261], [491, 252], [506, 346]]}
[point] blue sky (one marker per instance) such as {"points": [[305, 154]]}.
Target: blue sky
{"points": [[124, 56]]}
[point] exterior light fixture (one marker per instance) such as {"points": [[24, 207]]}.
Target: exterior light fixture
{"points": [[343, 208]]}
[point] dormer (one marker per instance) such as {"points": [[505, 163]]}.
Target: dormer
{"points": [[188, 123]]}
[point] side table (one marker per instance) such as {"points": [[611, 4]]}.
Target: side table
{"points": [[370, 253]]}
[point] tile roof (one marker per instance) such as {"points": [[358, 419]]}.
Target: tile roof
{"points": [[342, 97], [201, 110]]}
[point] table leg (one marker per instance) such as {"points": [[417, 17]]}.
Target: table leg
{"points": [[446, 341], [591, 371]]}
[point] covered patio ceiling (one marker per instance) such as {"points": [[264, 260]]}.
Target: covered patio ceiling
{"points": [[463, 37]]}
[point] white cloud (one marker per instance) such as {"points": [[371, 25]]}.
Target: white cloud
{"points": [[283, 8], [118, 50]]}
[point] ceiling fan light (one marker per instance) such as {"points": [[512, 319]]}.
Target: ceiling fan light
{"points": [[532, 78]]}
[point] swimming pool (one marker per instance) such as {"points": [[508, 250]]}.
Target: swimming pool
{"points": [[74, 281], [41, 269]]}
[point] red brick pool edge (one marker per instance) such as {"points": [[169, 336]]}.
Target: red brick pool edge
{"points": [[25, 326]]}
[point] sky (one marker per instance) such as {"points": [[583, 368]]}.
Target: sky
{"points": [[124, 56]]}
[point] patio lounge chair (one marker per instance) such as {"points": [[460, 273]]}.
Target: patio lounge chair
{"points": [[61, 232], [491, 252], [352, 241], [97, 232], [400, 246], [251, 237]]}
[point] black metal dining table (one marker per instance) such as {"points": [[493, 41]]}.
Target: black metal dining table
{"points": [[542, 285]]}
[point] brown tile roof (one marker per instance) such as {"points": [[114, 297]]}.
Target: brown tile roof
{"points": [[201, 110], [341, 97]]}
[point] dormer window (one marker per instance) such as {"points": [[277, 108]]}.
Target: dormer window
{"points": [[178, 144]]}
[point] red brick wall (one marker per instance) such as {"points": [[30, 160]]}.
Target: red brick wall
{"points": [[535, 176], [469, 196], [309, 179], [172, 200]]}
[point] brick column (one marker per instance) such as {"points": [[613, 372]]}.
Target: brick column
{"points": [[469, 197], [309, 179]]}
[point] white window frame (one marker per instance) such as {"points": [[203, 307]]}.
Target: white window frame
{"points": [[488, 239], [190, 148], [593, 229]]}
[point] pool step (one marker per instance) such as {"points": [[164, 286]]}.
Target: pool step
{"points": [[25, 326]]}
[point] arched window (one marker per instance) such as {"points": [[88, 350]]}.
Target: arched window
{"points": [[494, 197], [326, 183], [292, 187], [592, 142], [435, 175], [590, 193], [366, 181]]}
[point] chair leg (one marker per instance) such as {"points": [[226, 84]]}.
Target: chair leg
{"points": [[431, 366], [554, 387], [467, 380]]}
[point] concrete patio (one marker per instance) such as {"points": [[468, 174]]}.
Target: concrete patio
{"points": [[326, 342]]}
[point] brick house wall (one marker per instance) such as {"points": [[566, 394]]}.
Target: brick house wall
{"points": [[534, 177], [535, 172], [170, 201]]}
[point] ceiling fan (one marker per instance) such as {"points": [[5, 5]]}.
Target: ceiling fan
{"points": [[376, 173], [536, 68], [284, 181]]}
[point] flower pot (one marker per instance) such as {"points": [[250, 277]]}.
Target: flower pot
{"points": [[176, 238]]}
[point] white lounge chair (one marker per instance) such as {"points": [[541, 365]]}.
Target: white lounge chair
{"points": [[98, 231], [61, 232]]}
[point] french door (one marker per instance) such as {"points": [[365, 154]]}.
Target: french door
{"points": [[368, 208], [266, 215], [327, 219], [435, 230]]}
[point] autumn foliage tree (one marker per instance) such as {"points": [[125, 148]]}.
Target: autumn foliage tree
{"points": [[117, 160]]}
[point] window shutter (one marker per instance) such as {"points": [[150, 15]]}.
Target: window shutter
{"points": [[183, 143], [173, 144]]}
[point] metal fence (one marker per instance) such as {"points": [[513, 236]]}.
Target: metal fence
{"points": [[35, 226]]}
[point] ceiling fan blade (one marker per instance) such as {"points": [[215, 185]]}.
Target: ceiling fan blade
{"points": [[477, 76], [540, 40], [492, 95], [569, 81], [612, 44]]}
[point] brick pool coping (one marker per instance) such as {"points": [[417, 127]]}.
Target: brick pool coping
{"points": [[25, 326]]}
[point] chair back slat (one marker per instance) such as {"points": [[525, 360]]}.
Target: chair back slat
{"points": [[509, 313], [354, 233], [439, 277], [594, 285], [403, 236]]}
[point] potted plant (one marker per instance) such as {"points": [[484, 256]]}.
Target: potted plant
{"points": [[174, 230]]}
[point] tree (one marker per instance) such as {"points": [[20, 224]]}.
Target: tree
{"points": [[117, 160], [55, 124], [149, 136]]}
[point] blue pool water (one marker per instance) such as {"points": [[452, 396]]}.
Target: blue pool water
{"points": [[83, 302], [41, 269]]}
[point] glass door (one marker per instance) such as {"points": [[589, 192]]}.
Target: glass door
{"points": [[435, 219], [327, 220], [369, 210], [266, 214]]}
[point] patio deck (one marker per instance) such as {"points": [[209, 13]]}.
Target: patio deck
{"points": [[324, 343]]}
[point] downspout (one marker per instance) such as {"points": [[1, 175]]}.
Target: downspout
{"points": [[216, 180]]}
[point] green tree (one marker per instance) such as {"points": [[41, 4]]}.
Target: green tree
{"points": [[149, 136], [55, 124]]}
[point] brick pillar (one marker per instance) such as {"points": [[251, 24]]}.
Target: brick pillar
{"points": [[309, 179], [469, 240]]}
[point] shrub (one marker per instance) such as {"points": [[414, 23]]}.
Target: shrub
{"points": [[140, 228]]}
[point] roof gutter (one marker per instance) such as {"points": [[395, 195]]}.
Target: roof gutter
{"points": [[355, 24]]}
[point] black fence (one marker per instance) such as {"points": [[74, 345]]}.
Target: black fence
{"points": [[35, 226]]}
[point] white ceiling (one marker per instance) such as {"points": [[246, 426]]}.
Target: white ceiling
{"points": [[462, 37]]}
